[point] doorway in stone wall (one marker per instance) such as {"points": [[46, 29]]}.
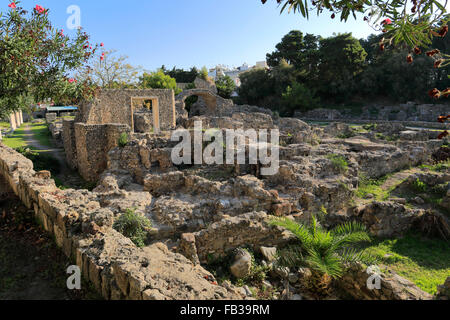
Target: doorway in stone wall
{"points": [[145, 111]]}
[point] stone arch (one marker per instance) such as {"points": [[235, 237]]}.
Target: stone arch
{"points": [[209, 97]]}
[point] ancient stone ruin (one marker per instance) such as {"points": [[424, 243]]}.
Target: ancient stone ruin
{"points": [[205, 212]]}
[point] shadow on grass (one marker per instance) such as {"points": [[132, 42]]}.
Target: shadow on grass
{"points": [[427, 253]]}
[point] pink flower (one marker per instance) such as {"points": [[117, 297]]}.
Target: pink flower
{"points": [[39, 9], [102, 58], [63, 45], [71, 80], [102, 44], [386, 21], [12, 5]]}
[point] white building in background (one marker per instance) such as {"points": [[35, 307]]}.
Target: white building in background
{"points": [[222, 70]]}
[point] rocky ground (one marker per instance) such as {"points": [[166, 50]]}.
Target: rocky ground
{"points": [[376, 175], [383, 176]]}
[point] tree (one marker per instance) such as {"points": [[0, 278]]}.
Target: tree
{"points": [[225, 87], [111, 72], [289, 49], [341, 59], [298, 98], [297, 50], [415, 26], [204, 73], [257, 87], [158, 80], [183, 76], [36, 60]]}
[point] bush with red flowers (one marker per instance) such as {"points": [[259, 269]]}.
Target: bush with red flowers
{"points": [[36, 60]]}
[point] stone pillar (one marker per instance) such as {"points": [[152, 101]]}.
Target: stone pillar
{"points": [[12, 121], [19, 123]]}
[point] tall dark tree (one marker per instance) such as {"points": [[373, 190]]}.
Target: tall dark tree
{"points": [[342, 58]]}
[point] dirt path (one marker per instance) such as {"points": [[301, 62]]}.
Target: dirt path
{"points": [[31, 266], [66, 175], [56, 153], [398, 177]]}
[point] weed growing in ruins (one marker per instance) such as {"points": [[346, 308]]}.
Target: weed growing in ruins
{"points": [[420, 186], [373, 187], [370, 126], [338, 162], [133, 226], [439, 167], [325, 252], [123, 140], [258, 272]]}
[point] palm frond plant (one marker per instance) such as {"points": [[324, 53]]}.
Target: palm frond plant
{"points": [[325, 252]]}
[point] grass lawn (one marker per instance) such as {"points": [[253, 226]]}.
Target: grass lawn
{"points": [[18, 139], [426, 262], [42, 134], [4, 125]]}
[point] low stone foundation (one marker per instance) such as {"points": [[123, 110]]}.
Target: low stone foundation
{"points": [[110, 261]]}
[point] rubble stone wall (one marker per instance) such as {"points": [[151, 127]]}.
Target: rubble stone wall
{"points": [[110, 261], [408, 113], [68, 137], [93, 143], [114, 106]]}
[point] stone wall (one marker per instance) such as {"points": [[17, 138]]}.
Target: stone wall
{"points": [[70, 147], [93, 142], [110, 261], [393, 287], [410, 112], [114, 106]]}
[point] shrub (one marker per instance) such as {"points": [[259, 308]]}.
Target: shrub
{"points": [[298, 97], [338, 162], [204, 74], [225, 87], [133, 226], [123, 140], [325, 252]]}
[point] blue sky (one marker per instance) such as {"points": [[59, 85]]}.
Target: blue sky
{"points": [[190, 33]]}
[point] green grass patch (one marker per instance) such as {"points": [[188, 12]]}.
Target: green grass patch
{"points": [[40, 133], [4, 125], [16, 140], [373, 186], [426, 262]]}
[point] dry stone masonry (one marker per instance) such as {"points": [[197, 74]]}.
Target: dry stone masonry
{"points": [[199, 212]]}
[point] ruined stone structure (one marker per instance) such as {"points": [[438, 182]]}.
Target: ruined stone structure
{"points": [[215, 104], [82, 228], [99, 124], [119, 106], [16, 119]]}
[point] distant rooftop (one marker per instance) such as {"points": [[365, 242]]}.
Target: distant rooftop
{"points": [[61, 108]]}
